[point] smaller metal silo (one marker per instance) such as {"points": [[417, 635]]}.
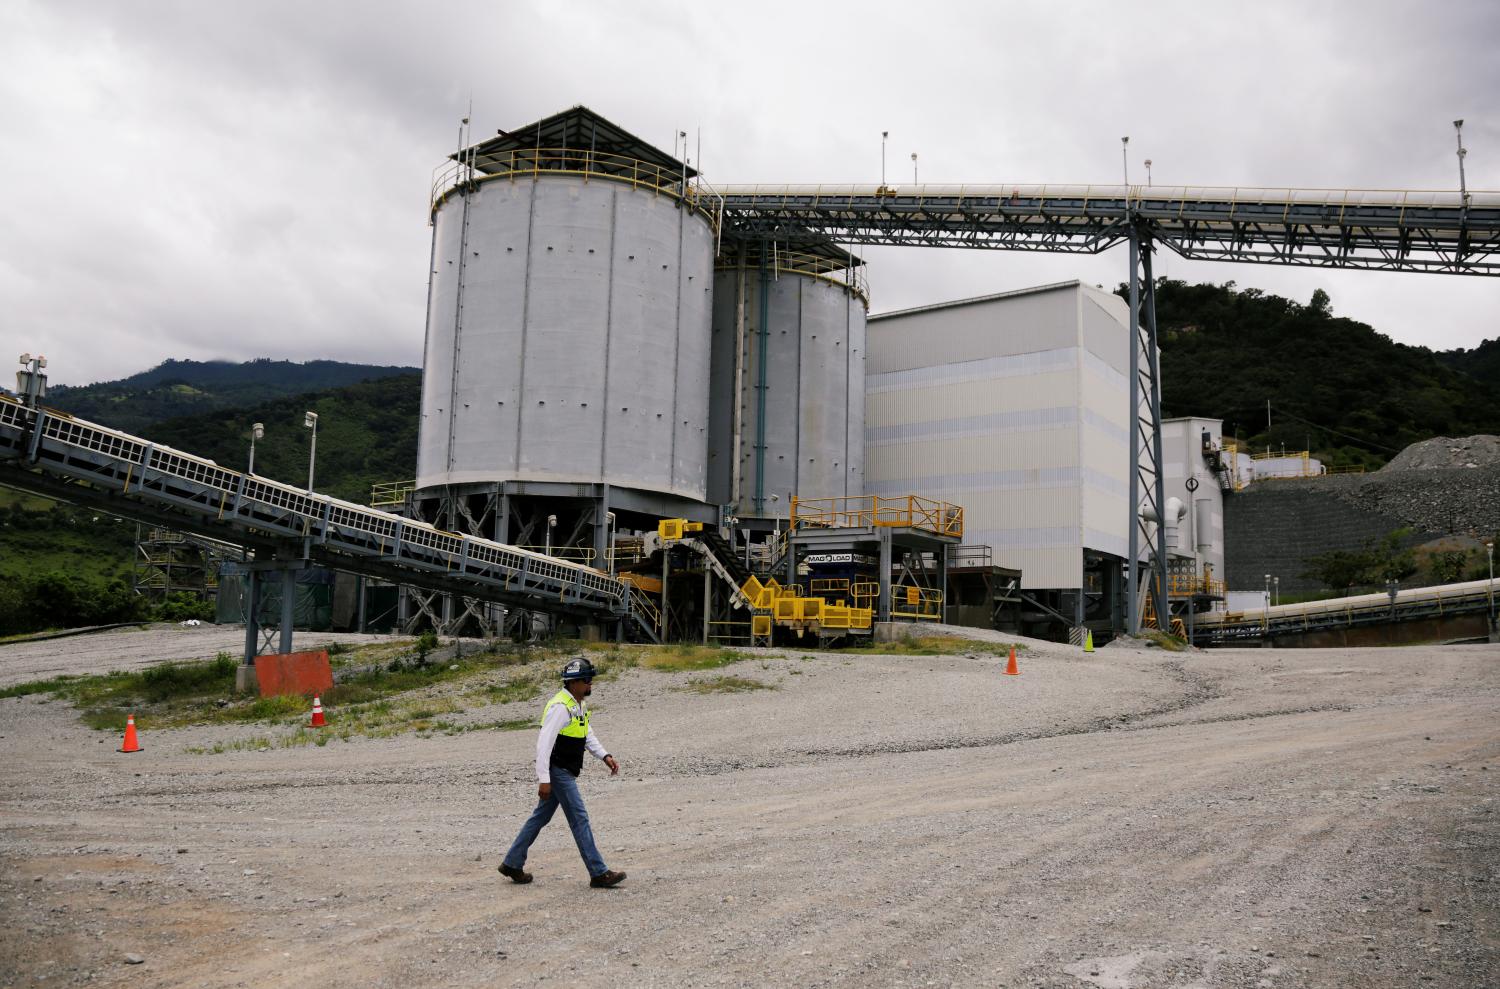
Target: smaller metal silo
{"points": [[786, 410]]}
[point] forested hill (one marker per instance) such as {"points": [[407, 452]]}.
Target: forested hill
{"points": [[181, 388], [367, 433], [1336, 385]]}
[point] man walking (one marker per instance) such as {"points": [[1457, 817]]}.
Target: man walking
{"points": [[559, 759]]}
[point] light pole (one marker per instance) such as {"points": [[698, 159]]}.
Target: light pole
{"points": [[609, 520], [257, 431], [1124, 160], [1463, 189], [1276, 590], [551, 524], [1268, 590], [883, 135], [310, 420], [1489, 549], [913, 168], [1148, 173], [31, 383], [1191, 484]]}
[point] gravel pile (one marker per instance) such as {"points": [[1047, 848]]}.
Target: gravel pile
{"points": [[1447, 453], [1430, 499]]}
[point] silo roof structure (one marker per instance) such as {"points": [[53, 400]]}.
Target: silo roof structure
{"points": [[614, 148]]}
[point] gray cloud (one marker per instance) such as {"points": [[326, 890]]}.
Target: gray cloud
{"points": [[238, 180]]}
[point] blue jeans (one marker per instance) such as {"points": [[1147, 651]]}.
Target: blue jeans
{"points": [[565, 793]]}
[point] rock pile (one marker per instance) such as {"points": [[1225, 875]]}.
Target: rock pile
{"points": [[1442, 452], [1430, 500]]}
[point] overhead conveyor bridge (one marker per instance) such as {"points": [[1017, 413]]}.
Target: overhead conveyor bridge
{"points": [[1393, 230], [53, 454]]}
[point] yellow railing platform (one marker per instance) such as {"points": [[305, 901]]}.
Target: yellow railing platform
{"points": [[391, 493], [871, 511]]}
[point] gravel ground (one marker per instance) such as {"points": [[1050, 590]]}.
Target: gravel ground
{"points": [[1120, 820]]}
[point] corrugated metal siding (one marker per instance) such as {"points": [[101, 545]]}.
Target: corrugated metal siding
{"points": [[1016, 409], [1020, 324]]}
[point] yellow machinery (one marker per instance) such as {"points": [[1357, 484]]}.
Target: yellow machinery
{"points": [[834, 608], [787, 607], [671, 530]]}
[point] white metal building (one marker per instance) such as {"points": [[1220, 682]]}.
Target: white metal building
{"points": [[1016, 407], [1184, 443]]}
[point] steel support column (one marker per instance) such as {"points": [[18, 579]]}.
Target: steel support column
{"points": [[288, 608], [708, 599], [252, 616], [883, 605], [1146, 483]]}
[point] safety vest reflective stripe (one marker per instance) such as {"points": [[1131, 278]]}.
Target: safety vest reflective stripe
{"points": [[579, 726]]}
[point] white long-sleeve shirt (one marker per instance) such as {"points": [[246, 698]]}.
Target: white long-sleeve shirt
{"points": [[557, 718]]}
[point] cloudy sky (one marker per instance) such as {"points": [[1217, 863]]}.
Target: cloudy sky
{"points": [[232, 180]]}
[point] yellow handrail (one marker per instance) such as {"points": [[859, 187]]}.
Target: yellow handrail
{"points": [[870, 511], [573, 161], [390, 493], [799, 263], [579, 554]]}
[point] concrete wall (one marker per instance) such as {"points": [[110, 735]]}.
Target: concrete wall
{"points": [[1276, 526]]}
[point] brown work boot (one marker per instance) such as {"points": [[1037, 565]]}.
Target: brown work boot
{"points": [[605, 880], [518, 875]]}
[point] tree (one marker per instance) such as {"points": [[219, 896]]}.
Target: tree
{"points": [[1389, 561], [1448, 566], [1338, 569]]}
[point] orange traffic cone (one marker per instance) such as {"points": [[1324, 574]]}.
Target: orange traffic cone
{"points": [[131, 744], [1010, 667], [317, 717]]}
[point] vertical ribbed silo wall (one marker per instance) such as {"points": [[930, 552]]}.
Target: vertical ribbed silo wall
{"points": [[574, 325], [813, 433], [724, 412]]}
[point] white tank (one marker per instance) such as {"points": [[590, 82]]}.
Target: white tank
{"points": [[567, 336], [803, 432]]}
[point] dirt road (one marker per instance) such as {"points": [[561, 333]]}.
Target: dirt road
{"points": [[1127, 819]]}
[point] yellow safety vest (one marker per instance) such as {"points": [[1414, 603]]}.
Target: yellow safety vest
{"points": [[579, 726]]}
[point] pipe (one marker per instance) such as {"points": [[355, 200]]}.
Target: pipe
{"points": [[760, 386]]}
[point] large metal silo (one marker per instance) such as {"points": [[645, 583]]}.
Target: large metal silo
{"points": [[567, 353], [787, 413]]}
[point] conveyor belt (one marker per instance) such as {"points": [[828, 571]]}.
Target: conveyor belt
{"points": [[1410, 604], [56, 455]]}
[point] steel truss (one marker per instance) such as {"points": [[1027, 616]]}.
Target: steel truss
{"points": [[1147, 498], [1385, 230]]}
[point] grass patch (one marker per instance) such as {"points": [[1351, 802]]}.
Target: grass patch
{"points": [[723, 685], [934, 645], [1162, 640], [36, 687], [680, 658]]}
